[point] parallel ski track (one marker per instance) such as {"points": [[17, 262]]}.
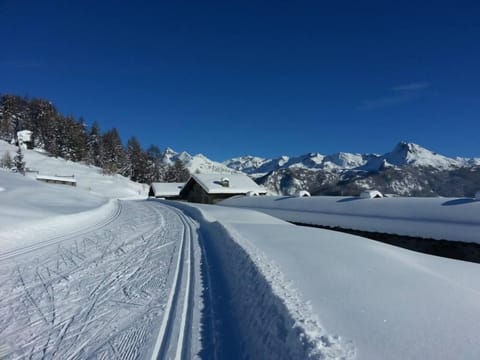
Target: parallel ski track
{"points": [[178, 305], [63, 237]]}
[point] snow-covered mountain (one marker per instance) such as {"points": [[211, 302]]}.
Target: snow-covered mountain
{"points": [[409, 170], [195, 163], [412, 154], [259, 166], [404, 153]]}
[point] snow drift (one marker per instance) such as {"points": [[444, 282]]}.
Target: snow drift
{"points": [[272, 319]]}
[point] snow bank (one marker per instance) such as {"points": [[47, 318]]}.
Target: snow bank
{"points": [[436, 218], [274, 322], [31, 211]]}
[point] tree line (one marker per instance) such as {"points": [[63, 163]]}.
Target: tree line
{"points": [[72, 139]]}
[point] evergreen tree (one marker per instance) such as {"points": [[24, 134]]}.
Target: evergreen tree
{"points": [[12, 116], [43, 121], [19, 163], [95, 146], [155, 167], [136, 161], [177, 172], [113, 153]]}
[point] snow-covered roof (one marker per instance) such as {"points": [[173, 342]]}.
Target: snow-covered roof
{"points": [[166, 189], [303, 193], [24, 136], [455, 219], [238, 184], [371, 194], [57, 178]]}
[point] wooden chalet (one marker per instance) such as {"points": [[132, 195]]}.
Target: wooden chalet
{"points": [[212, 188]]}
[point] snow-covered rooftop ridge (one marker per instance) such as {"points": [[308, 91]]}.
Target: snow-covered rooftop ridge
{"points": [[69, 179], [456, 219], [167, 189], [236, 184]]}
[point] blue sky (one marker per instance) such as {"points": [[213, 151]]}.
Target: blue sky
{"points": [[228, 78]]}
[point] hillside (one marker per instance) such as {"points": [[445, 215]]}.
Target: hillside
{"points": [[88, 177]]}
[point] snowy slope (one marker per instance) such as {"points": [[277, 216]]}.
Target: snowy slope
{"points": [[88, 178], [31, 210], [359, 296]]}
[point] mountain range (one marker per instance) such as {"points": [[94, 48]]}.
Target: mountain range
{"points": [[408, 170]]}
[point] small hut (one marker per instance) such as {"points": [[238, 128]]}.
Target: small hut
{"points": [[169, 191]]}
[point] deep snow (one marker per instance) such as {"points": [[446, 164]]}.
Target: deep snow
{"points": [[351, 294]]}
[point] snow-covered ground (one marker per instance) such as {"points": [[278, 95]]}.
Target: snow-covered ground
{"points": [[346, 294], [436, 218], [86, 276]]}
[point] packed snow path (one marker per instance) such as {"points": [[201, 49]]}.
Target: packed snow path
{"points": [[122, 289]]}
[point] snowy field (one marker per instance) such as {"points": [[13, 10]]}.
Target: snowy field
{"points": [[436, 218]]}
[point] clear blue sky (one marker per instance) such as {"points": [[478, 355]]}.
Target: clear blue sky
{"points": [[228, 78]]}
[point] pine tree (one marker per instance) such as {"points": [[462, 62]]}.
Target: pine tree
{"points": [[19, 163], [95, 146], [177, 172], [114, 153], [155, 168], [12, 115], [136, 167]]}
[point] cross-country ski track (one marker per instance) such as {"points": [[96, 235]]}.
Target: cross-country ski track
{"points": [[122, 288]]}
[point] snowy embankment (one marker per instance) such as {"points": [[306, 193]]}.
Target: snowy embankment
{"points": [[436, 218], [31, 211], [295, 290]]}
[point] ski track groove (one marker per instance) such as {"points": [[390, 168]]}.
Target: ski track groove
{"points": [[180, 302], [100, 292]]}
